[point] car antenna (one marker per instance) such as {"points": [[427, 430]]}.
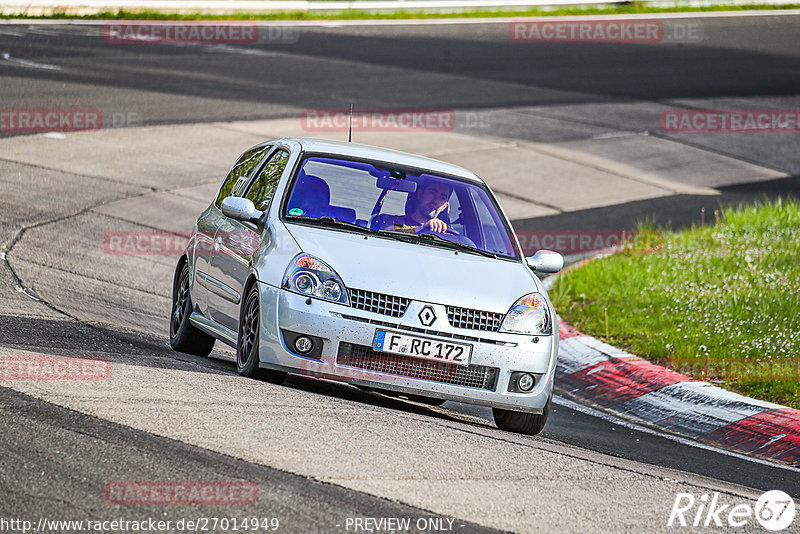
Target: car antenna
{"points": [[350, 125]]}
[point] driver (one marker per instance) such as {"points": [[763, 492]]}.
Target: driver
{"points": [[432, 199]]}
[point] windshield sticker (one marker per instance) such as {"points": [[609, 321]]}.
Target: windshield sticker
{"points": [[296, 211]]}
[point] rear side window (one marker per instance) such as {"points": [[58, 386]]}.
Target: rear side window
{"points": [[266, 182], [240, 172]]}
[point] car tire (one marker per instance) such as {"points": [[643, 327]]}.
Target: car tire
{"points": [[248, 342], [521, 422], [183, 335]]}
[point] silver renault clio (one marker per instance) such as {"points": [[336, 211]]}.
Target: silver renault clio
{"points": [[392, 272]]}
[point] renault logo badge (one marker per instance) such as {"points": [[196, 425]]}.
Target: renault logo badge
{"points": [[426, 316]]}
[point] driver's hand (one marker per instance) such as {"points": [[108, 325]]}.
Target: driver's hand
{"points": [[435, 225]]}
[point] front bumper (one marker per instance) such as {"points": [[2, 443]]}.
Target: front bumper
{"points": [[347, 335]]}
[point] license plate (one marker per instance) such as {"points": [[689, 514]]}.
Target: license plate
{"points": [[422, 347]]}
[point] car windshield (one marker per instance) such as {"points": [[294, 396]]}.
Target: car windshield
{"points": [[428, 208]]}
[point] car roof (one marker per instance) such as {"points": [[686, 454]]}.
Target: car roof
{"points": [[310, 144]]}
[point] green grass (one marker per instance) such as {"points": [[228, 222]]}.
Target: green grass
{"points": [[718, 302], [628, 8]]}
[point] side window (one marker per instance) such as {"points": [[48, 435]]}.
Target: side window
{"points": [[494, 231], [266, 182], [240, 172]]}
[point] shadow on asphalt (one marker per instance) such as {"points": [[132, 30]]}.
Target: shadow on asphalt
{"points": [[674, 212], [90, 453], [72, 339], [534, 73]]}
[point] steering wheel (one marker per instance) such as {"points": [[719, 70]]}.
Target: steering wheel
{"points": [[455, 236], [429, 231]]}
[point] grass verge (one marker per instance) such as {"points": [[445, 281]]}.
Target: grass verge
{"points": [[718, 302], [355, 14]]}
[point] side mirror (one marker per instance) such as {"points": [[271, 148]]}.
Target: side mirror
{"points": [[241, 209], [546, 261]]}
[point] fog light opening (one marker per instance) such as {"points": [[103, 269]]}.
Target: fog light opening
{"points": [[303, 344], [525, 382]]}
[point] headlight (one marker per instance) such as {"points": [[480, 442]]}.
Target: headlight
{"points": [[309, 275], [529, 315]]}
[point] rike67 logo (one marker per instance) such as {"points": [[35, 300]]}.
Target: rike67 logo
{"points": [[774, 510]]}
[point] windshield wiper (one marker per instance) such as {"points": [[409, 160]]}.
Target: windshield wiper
{"points": [[401, 236], [335, 221], [456, 244], [405, 237], [439, 240]]}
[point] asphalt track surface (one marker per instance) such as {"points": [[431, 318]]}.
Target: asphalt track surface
{"points": [[55, 458]]}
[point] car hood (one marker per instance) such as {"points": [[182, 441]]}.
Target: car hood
{"points": [[419, 272]]}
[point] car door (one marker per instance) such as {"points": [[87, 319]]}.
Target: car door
{"points": [[205, 230], [236, 242], [209, 222]]}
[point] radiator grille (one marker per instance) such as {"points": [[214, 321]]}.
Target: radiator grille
{"points": [[363, 357], [474, 319], [428, 331], [378, 302]]}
